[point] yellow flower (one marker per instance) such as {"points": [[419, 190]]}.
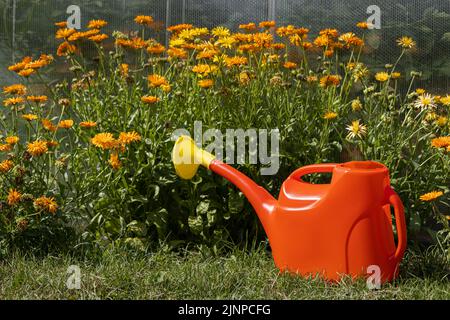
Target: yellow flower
{"points": [[290, 65], [124, 68], [441, 142], [356, 129], [330, 80], [177, 53], [406, 42], [420, 91], [220, 32], [12, 140], [356, 105], [431, 196], [180, 27], [29, 117], [149, 99], [129, 137], [104, 141], [88, 124], [330, 115], [144, 20], [37, 99], [156, 81], [204, 69], [114, 161], [13, 101], [166, 88], [226, 42], [425, 101], [96, 24], [37, 148], [206, 83], [442, 121], [6, 165], [395, 75], [363, 25], [66, 124], [20, 65], [18, 89], [13, 197], [47, 204], [382, 76], [445, 100]]}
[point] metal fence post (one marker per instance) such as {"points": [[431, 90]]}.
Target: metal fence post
{"points": [[271, 10], [13, 38], [167, 21], [183, 12]]}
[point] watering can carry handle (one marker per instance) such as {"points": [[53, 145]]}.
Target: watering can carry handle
{"points": [[400, 222], [314, 168]]}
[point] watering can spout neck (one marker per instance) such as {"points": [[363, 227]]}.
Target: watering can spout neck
{"points": [[260, 199]]}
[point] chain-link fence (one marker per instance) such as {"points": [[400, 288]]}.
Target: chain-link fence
{"points": [[26, 26]]}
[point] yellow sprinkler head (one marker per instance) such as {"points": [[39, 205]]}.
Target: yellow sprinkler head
{"points": [[187, 157]]}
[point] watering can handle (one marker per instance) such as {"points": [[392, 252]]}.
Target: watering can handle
{"points": [[313, 168], [399, 212]]}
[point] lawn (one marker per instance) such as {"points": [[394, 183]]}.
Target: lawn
{"points": [[121, 274]]}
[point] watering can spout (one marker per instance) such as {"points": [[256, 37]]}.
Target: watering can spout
{"points": [[187, 158]]}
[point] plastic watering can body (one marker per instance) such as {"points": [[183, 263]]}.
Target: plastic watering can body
{"points": [[341, 228]]}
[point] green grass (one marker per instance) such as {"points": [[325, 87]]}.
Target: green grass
{"points": [[120, 274]]}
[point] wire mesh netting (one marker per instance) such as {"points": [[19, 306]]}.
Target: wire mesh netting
{"points": [[26, 26]]}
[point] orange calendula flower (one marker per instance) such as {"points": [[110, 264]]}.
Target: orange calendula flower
{"points": [[66, 124], [267, 24], [104, 141], [97, 24], [46, 204], [156, 49], [29, 117], [177, 53], [62, 24], [363, 25], [26, 72], [5, 147], [37, 99], [13, 101], [431, 196], [204, 69], [13, 197], [236, 61], [17, 89], [144, 20], [6, 165], [290, 65], [52, 143], [248, 27], [37, 148], [114, 161], [20, 65], [206, 83], [48, 125], [406, 42], [180, 27], [12, 140], [155, 81], [64, 33], [330, 80], [98, 38], [149, 99], [65, 49], [441, 142], [129, 137], [124, 69], [88, 124]]}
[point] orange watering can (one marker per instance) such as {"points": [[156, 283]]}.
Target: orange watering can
{"points": [[335, 229]]}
